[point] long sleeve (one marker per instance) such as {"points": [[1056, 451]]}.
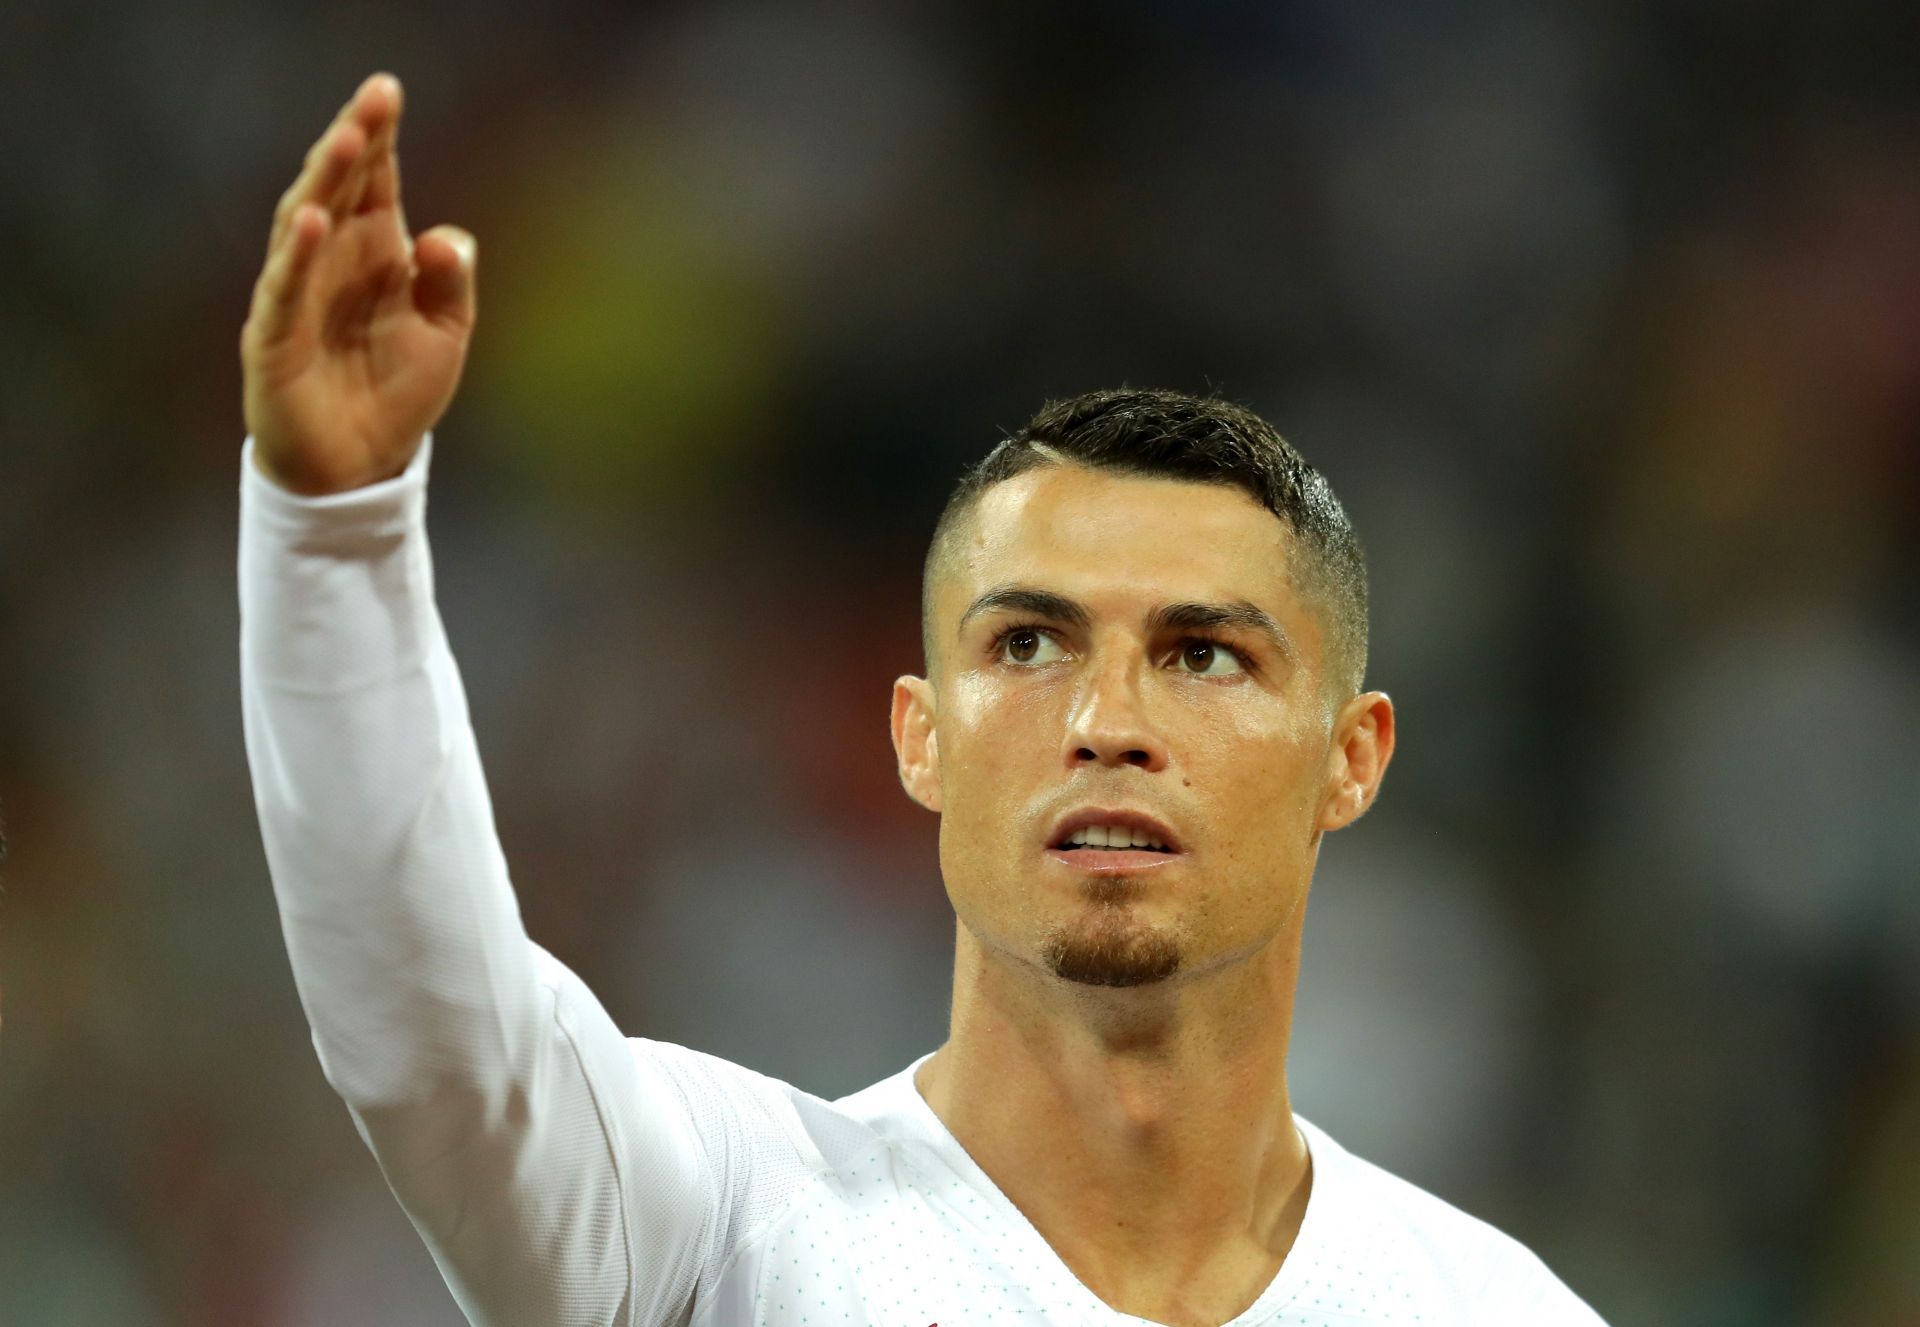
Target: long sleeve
{"points": [[552, 1169]]}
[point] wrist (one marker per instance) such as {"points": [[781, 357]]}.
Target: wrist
{"points": [[309, 482], [293, 495]]}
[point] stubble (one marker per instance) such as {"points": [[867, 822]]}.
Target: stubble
{"points": [[1106, 944]]}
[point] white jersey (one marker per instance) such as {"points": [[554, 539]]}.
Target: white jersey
{"points": [[563, 1174]]}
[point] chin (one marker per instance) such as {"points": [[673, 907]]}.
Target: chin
{"points": [[1108, 954]]}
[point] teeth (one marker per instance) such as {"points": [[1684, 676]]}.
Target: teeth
{"points": [[1115, 836]]}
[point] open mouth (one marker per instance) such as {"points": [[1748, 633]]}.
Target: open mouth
{"points": [[1108, 840], [1114, 847], [1113, 838]]}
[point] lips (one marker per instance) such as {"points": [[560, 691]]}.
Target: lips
{"points": [[1113, 861], [1100, 829]]}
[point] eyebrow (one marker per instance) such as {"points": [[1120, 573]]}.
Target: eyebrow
{"points": [[1185, 616]]}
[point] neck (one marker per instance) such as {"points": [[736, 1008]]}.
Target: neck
{"points": [[1147, 1132]]}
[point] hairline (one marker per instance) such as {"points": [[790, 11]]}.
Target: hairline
{"points": [[1302, 572]]}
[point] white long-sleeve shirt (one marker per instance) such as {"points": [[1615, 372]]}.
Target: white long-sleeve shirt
{"points": [[563, 1174]]}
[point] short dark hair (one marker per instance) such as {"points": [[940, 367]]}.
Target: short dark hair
{"points": [[1145, 431]]}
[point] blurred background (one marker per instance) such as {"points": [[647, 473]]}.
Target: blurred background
{"points": [[1604, 319]]}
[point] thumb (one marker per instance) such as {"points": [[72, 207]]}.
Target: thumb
{"points": [[444, 260]]}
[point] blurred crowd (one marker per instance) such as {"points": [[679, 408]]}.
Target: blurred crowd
{"points": [[1603, 319]]}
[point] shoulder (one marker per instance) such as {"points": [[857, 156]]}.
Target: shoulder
{"points": [[782, 1124], [728, 1103], [1396, 1228]]}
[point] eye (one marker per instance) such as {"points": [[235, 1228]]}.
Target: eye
{"points": [[1204, 658], [1027, 646]]}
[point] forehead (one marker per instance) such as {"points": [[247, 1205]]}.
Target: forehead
{"points": [[1099, 535]]}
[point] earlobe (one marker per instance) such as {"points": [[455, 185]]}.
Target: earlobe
{"points": [[1344, 805]]}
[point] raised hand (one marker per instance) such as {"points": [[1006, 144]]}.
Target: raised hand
{"points": [[357, 334]]}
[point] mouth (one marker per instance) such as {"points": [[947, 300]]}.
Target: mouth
{"points": [[1107, 841], [1113, 861]]}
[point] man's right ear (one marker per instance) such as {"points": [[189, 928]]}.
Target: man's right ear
{"points": [[915, 743]]}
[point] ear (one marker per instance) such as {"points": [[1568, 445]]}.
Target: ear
{"points": [[1357, 760], [915, 743]]}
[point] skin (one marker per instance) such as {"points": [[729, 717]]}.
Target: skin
{"points": [[1146, 1130], [357, 331]]}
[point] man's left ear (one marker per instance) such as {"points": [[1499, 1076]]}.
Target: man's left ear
{"points": [[916, 746], [1357, 760]]}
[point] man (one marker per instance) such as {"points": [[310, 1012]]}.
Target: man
{"points": [[1145, 634]]}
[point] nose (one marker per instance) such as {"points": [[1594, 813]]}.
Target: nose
{"points": [[1109, 725]]}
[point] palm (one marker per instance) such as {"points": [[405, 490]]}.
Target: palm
{"points": [[364, 373]]}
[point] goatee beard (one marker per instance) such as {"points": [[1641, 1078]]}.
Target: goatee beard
{"points": [[1108, 948]]}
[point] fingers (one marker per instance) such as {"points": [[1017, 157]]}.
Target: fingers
{"points": [[342, 160], [341, 169], [329, 163], [278, 294], [380, 163], [443, 283]]}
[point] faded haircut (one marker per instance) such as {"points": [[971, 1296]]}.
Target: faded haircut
{"points": [[1205, 440]]}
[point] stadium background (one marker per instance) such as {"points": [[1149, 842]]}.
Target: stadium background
{"points": [[1603, 318]]}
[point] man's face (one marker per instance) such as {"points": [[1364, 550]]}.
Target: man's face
{"points": [[1064, 684]]}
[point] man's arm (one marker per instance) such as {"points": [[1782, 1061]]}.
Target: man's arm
{"points": [[553, 1172]]}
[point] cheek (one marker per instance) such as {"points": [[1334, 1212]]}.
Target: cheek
{"points": [[1000, 765], [1263, 816], [990, 737], [1264, 787]]}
